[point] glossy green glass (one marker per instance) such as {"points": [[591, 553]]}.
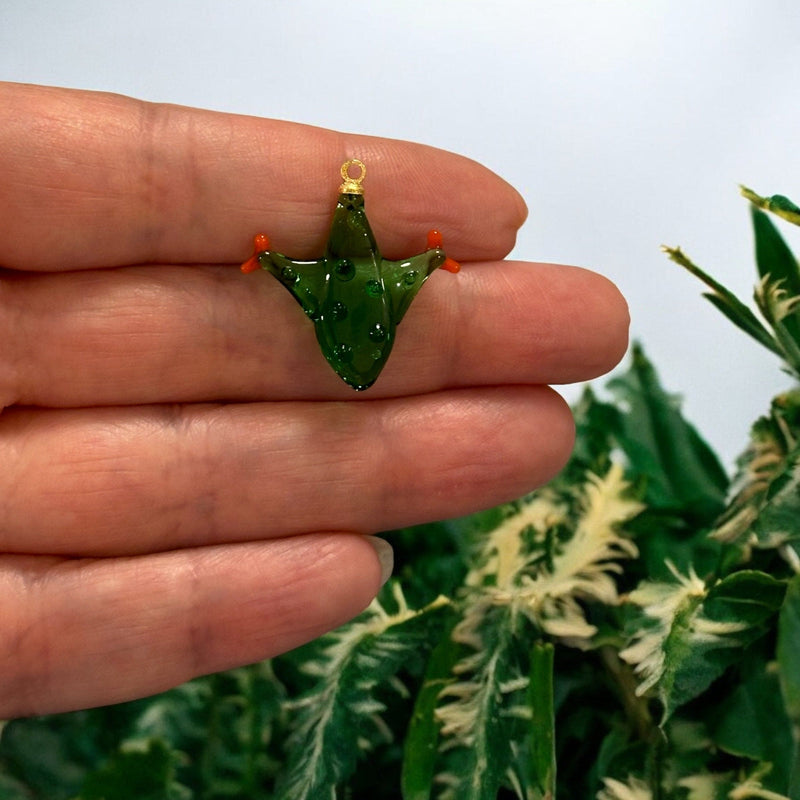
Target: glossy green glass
{"points": [[354, 296]]}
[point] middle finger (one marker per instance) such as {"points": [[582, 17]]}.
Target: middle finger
{"points": [[141, 335]]}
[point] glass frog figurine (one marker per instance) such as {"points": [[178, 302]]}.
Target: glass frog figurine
{"points": [[354, 296]]}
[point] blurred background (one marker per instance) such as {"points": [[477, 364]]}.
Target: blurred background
{"points": [[624, 124]]}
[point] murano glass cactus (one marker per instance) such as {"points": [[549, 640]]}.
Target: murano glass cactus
{"points": [[354, 296]]}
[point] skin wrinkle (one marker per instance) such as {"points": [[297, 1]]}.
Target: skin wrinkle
{"points": [[460, 475], [13, 456], [79, 150], [27, 580], [96, 464], [459, 307], [336, 465], [11, 318], [154, 190], [107, 632], [212, 139], [198, 631], [379, 459], [319, 555], [195, 445], [98, 475]]}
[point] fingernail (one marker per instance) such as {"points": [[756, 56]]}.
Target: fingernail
{"points": [[385, 555]]}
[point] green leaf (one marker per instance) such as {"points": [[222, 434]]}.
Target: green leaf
{"points": [[688, 635], [682, 471], [339, 719], [541, 780], [748, 323], [780, 309], [789, 649], [724, 300], [778, 521], [753, 723], [133, 774], [765, 508], [774, 259], [13, 789], [778, 268], [748, 599], [597, 425], [788, 653], [777, 204], [485, 713], [422, 740], [59, 766]]}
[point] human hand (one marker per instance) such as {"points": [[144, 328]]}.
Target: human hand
{"points": [[186, 482]]}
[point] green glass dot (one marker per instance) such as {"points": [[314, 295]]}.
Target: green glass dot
{"points": [[410, 278], [310, 305], [344, 269], [288, 275], [338, 311], [377, 333], [343, 352], [373, 288]]}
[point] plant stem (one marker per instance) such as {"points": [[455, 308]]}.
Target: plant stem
{"points": [[636, 708]]}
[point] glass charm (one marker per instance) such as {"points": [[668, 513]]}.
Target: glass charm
{"points": [[354, 296]]}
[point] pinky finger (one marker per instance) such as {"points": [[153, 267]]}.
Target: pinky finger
{"points": [[79, 633]]}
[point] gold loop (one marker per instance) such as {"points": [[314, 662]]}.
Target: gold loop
{"points": [[352, 185]]}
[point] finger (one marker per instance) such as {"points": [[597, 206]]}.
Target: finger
{"points": [[101, 180], [81, 633], [136, 480], [175, 334]]}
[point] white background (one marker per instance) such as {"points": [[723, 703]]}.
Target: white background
{"points": [[623, 124]]}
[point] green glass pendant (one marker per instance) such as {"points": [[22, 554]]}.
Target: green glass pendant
{"points": [[354, 296]]}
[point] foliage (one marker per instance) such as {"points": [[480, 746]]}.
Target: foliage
{"points": [[629, 632]]}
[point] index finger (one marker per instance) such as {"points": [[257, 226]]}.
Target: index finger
{"points": [[98, 180]]}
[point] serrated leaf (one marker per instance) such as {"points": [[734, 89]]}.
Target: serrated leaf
{"points": [[477, 734], [536, 566], [774, 259], [777, 522], [764, 509], [681, 469], [780, 275], [777, 204], [597, 427], [779, 307], [553, 554], [689, 634], [727, 302], [329, 732]]}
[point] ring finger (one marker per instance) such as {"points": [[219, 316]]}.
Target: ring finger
{"points": [[133, 480]]}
